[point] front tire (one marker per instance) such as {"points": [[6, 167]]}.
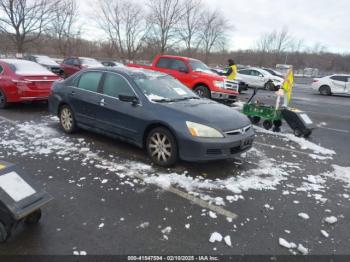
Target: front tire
{"points": [[325, 90], [202, 91], [3, 100], [67, 119], [162, 147], [270, 86]]}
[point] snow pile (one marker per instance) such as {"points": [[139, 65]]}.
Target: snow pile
{"points": [[325, 234], [331, 220], [304, 216], [290, 245], [340, 173], [215, 237], [303, 143]]}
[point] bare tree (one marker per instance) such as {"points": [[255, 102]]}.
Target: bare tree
{"points": [[125, 25], [164, 17], [24, 21], [190, 24], [213, 31], [275, 41], [64, 26]]}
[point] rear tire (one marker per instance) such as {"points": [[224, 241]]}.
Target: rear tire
{"points": [[162, 147], [67, 119], [3, 100], [202, 91], [325, 90], [255, 120], [298, 132]]}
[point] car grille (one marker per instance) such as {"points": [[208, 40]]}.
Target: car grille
{"points": [[240, 131], [214, 152], [231, 85]]}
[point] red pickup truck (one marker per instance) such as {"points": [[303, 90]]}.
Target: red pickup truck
{"points": [[195, 75]]}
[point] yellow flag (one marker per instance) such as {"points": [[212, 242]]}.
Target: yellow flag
{"points": [[288, 84]]}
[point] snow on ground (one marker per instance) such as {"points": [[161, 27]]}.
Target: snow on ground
{"points": [[215, 237], [331, 220], [304, 216], [303, 143], [40, 140]]}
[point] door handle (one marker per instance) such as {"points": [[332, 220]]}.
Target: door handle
{"points": [[102, 102], [72, 93]]}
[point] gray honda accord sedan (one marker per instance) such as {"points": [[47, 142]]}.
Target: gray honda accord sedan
{"points": [[151, 110]]}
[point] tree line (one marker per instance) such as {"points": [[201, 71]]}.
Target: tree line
{"points": [[137, 30]]}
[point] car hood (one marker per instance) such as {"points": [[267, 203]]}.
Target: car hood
{"points": [[208, 74], [209, 113]]}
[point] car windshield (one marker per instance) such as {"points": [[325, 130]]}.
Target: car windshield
{"points": [[164, 89], [91, 62], [45, 60], [199, 66], [22, 67]]}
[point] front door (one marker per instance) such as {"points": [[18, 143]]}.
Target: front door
{"points": [[120, 118], [338, 83]]}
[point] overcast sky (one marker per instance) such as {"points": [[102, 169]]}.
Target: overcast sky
{"points": [[315, 21]]}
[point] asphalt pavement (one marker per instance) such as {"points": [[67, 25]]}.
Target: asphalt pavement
{"points": [[280, 198]]}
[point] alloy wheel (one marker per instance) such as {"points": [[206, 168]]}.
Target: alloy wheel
{"points": [[67, 119], [160, 147]]}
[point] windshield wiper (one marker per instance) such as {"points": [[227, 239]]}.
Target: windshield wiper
{"points": [[163, 100], [186, 98]]}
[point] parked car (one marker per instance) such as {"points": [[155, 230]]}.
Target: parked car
{"points": [[334, 84], [47, 62], [22, 80], [151, 110], [74, 64], [273, 72], [112, 64], [195, 75], [260, 78]]}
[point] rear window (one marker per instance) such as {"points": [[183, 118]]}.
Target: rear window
{"points": [[28, 68], [164, 63]]}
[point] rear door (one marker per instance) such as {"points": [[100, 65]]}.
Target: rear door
{"points": [[120, 118], [84, 97], [338, 83]]}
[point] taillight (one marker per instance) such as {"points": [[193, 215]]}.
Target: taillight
{"points": [[22, 85], [315, 80]]}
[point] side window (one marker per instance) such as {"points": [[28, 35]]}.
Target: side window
{"points": [[244, 72], [90, 81], [255, 73], [339, 78], [115, 85], [177, 64], [68, 61], [164, 63], [1, 69]]}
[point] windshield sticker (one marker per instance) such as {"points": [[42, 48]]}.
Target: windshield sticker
{"points": [[180, 91]]}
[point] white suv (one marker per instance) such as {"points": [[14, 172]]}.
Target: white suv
{"points": [[334, 84]]}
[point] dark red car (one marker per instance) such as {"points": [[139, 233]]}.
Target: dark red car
{"points": [[22, 80], [72, 65]]}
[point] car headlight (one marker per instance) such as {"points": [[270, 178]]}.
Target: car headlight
{"points": [[198, 130], [219, 84]]}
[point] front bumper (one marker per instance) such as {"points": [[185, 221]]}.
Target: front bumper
{"points": [[207, 149], [223, 96]]}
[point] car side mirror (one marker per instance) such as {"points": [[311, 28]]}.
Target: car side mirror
{"points": [[183, 70], [129, 99]]}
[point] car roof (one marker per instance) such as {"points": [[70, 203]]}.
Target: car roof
{"points": [[130, 71], [177, 57], [16, 61]]}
